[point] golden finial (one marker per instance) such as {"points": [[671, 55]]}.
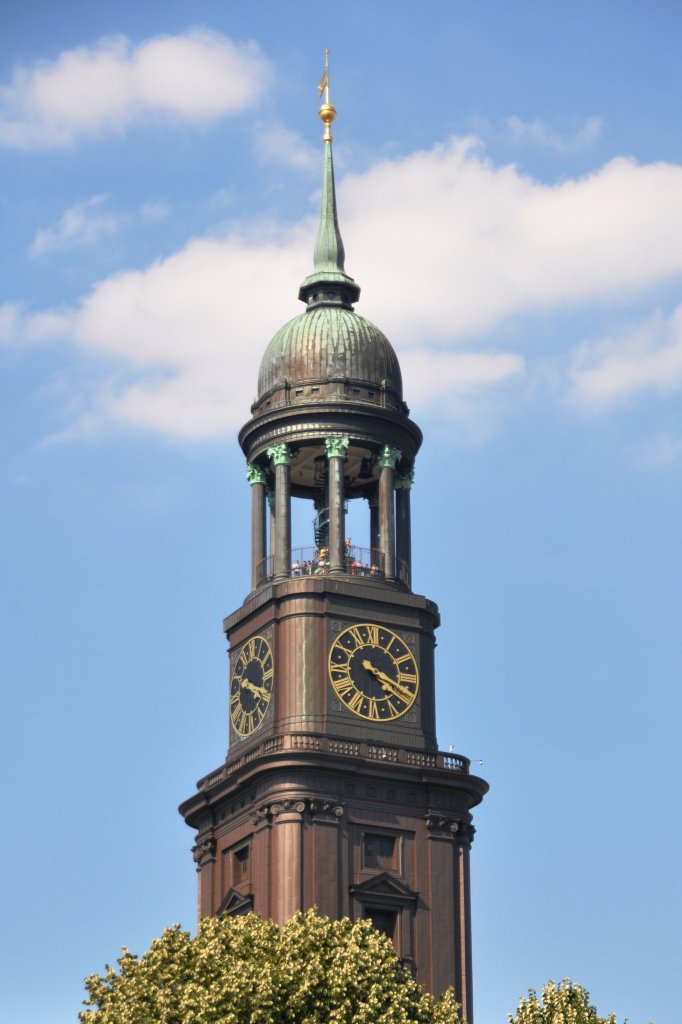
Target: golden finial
{"points": [[327, 111]]}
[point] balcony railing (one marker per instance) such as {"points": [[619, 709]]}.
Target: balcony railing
{"points": [[299, 742], [365, 562]]}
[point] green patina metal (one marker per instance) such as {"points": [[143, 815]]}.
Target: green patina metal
{"points": [[404, 481], [336, 447], [280, 454], [329, 281], [389, 456], [256, 474], [330, 342]]}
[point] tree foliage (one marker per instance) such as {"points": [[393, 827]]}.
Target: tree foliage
{"points": [[565, 1003], [248, 971]]}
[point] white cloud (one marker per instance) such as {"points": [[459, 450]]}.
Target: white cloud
{"points": [[461, 389], [454, 244], [443, 377], [446, 246], [540, 134], [279, 145], [659, 452], [195, 76], [158, 210], [10, 321], [645, 358], [81, 224]]}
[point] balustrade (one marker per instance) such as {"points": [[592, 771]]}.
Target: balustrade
{"points": [[311, 561]]}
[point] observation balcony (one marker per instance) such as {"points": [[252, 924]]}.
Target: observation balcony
{"points": [[368, 563], [301, 743]]}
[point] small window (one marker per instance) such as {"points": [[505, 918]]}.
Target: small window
{"points": [[356, 391], [370, 394], [299, 392], [371, 791], [348, 787], [240, 865], [383, 920], [390, 794], [378, 851], [314, 391]]}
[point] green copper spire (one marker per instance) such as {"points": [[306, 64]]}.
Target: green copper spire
{"points": [[329, 284]]}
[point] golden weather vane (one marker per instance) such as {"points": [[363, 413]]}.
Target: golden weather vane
{"points": [[327, 111], [324, 81]]}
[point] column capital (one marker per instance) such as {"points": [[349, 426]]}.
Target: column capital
{"points": [[404, 481], [204, 851], [451, 828], [280, 454], [336, 447], [255, 474], [389, 456]]}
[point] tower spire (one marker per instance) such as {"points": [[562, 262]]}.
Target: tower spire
{"points": [[328, 284]]}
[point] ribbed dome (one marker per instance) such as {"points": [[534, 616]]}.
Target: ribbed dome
{"points": [[330, 342]]}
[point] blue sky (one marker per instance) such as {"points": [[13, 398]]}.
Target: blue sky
{"points": [[510, 193]]}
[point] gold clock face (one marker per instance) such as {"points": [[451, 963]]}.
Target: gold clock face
{"points": [[373, 672], [251, 685]]}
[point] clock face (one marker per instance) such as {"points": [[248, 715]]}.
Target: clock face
{"points": [[373, 672], [251, 685]]}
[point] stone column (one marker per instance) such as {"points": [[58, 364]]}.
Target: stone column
{"points": [[373, 502], [257, 477], [287, 820], [464, 836], [450, 841], [204, 854], [387, 460], [270, 495], [403, 544], [281, 457], [336, 449]]}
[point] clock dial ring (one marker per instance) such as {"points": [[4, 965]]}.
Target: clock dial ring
{"points": [[373, 672], [251, 685]]}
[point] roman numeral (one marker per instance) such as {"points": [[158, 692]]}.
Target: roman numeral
{"points": [[357, 636], [373, 635], [343, 686], [391, 707], [355, 702], [373, 708], [408, 677]]}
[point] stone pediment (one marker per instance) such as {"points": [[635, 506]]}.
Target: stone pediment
{"points": [[236, 903], [384, 885]]}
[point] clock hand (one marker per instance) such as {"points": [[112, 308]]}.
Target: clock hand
{"points": [[386, 681], [258, 690], [369, 667]]}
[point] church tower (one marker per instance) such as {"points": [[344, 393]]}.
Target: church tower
{"points": [[334, 792]]}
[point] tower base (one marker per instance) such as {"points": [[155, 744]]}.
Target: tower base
{"points": [[354, 829]]}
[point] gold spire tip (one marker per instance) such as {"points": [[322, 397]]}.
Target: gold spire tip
{"points": [[327, 111]]}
